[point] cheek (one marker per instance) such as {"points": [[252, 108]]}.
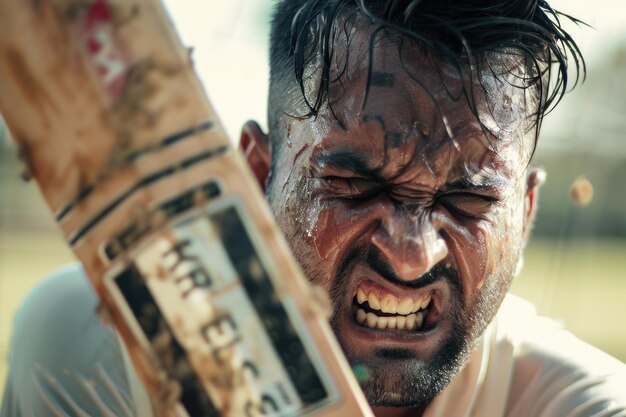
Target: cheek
{"points": [[480, 248], [469, 246], [286, 200], [315, 229], [298, 215], [335, 228]]}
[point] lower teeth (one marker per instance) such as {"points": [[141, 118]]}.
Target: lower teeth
{"points": [[411, 322]]}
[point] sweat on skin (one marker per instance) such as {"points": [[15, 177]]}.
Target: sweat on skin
{"points": [[405, 196]]}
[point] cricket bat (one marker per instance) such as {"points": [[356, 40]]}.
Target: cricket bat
{"points": [[163, 214]]}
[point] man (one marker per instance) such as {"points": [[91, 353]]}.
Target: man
{"points": [[397, 166]]}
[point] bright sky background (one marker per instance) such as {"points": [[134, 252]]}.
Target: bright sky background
{"points": [[230, 42]]}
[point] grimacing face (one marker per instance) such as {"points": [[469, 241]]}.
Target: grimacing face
{"points": [[416, 235]]}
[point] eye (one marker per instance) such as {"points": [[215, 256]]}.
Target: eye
{"points": [[468, 204], [351, 188]]}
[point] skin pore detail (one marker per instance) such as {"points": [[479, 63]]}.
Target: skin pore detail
{"points": [[387, 198]]}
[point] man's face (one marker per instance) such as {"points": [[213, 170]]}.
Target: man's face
{"points": [[408, 215]]}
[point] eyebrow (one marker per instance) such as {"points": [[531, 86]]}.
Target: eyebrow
{"points": [[357, 162], [347, 160], [467, 184]]}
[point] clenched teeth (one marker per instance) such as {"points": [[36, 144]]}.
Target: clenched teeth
{"points": [[390, 311], [372, 299], [392, 304], [361, 297], [413, 321]]}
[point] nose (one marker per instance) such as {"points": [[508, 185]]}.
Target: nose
{"points": [[411, 243]]}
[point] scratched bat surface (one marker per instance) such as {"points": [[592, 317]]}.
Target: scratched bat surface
{"points": [[169, 224]]}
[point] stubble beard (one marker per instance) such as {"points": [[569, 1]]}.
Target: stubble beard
{"points": [[401, 377], [395, 378]]}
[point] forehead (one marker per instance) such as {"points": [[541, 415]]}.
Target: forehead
{"points": [[398, 101], [490, 91]]}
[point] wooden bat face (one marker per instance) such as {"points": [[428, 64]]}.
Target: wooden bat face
{"points": [[166, 219]]}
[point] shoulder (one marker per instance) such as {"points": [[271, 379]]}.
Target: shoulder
{"points": [[552, 371], [57, 325], [59, 347], [62, 293], [57, 317]]}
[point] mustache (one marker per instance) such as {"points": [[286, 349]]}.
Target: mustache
{"points": [[379, 264], [373, 259]]}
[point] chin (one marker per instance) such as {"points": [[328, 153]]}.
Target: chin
{"points": [[395, 377], [402, 369]]}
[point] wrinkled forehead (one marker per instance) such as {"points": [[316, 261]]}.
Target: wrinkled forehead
{"points": [[396, 106], [391, 75]]}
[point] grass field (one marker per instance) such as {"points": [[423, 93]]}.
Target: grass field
{"points": [[580, 283]]}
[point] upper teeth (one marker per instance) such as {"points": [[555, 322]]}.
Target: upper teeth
{"points": [[392, 304]]}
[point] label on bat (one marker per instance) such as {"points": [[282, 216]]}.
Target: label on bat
{"points": [[214, 290]]}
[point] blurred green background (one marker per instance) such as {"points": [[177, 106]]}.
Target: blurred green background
{"points": [[575, 262]]}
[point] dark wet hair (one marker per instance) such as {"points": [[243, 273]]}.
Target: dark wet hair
{"points": [[461, 33]]}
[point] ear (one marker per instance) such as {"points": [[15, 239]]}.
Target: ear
{"points": [[536, 177], [255, 146]]}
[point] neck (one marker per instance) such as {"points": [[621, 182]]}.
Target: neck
{"points": [[397, 412]]}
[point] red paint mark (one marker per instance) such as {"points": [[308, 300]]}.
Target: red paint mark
{"points": [[93, 46], [102, 71], [95, 31], [98, 12]]}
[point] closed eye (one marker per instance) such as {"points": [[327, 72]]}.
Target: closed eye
{"points": [[351, 188], [468, 204]]}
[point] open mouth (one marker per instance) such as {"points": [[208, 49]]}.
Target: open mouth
{"points": [[375, 308]]}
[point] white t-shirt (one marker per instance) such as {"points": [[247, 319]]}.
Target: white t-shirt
{"points": [[529, 366], [65, 362]]}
